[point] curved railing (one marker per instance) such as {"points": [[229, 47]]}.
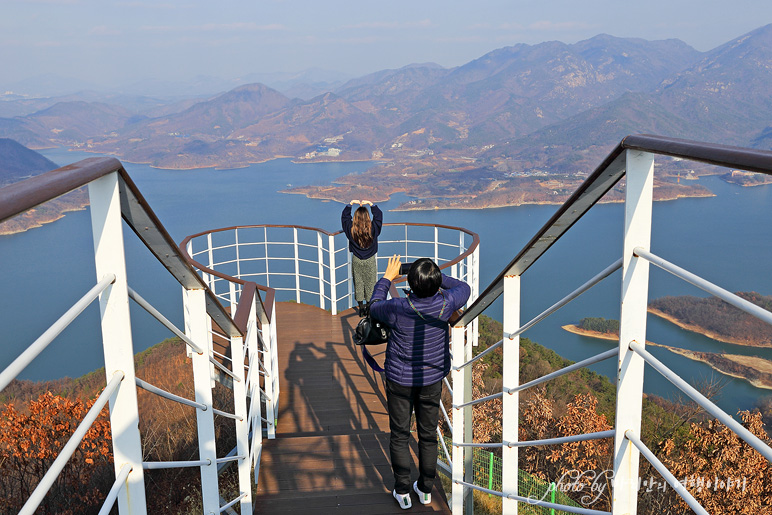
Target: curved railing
{"points": [[311, 265], [633, 158]]}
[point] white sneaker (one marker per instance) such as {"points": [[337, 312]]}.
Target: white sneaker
{"points": [[403, 500], [422, 497]]}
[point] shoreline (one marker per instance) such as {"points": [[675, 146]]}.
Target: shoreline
{"points": [[220, 166], [697, 356], [757, 364], [575, 329], [705, 332], [36, 224]]}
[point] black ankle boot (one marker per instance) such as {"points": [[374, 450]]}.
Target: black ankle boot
{"points": [[362, 309]]}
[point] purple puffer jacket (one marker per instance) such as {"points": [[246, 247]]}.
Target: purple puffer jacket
{"points": [[418, 351]]}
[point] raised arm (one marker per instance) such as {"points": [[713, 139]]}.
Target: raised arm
{"points": [[345, 219], [377, 219], [383, 310], [457, 292]]}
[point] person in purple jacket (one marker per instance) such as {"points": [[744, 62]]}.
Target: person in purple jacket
{"points": [[417, 359], [362, 234]]}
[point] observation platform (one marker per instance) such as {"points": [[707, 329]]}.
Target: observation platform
{"points": [[331, 452]]}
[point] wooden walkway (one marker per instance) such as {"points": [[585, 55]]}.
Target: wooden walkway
{"points": [[331, 452]]}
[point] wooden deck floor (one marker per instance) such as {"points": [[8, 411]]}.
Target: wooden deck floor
{"points": [[331, 453]]}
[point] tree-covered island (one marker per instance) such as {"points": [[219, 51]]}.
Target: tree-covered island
{"points": [[710, 317]]}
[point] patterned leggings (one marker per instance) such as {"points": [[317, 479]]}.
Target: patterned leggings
{"points": [[365, 272]]}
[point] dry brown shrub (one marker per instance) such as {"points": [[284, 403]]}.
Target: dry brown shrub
{"points": [[29, 444]]}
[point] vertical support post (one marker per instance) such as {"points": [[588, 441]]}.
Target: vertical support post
{"points": [[275, 372], [242, 424], [210, 264], [458, 491], [350, 272], [255, 407], [186, 311], [632, 327], [116, 339], [437, 245], [333, 281], [474, 283], [490, 472], [468, 426], [320, 270], [510, 401], [232, 297], [269, 350], [463, 269], [297, 265], [265, 248], [407, 256], [553, 490], [238, 255], [197, 330]]}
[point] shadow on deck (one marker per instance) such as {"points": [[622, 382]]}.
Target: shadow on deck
{"points": [[331, 452]]}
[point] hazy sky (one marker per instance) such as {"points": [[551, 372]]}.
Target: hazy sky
{"points": [[107, 42]]}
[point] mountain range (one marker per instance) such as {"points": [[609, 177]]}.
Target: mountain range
{"points": [[551, 107]]}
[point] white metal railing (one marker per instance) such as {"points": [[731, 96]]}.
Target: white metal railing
{"points": [[312, 255], [633, 158], [113, 196], [311, 265]]}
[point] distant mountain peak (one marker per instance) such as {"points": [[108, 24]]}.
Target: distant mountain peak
{"points": [[18, 162]]}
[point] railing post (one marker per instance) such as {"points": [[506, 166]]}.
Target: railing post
{"points": [[276, 373], [468, 424], [297, 265], [475, 292], [265, 247], [254, 385], [458, 491], [238, 254], [463, 269], [116, 339], [270, 364], [242, 426], [510, 401], [632, 327], [333, 281], [185, 312], [196, 328], [320, 261], [210, 256], [437, 245], [234, 302], [350, 275]]}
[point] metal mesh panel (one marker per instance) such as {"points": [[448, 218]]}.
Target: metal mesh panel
{"points": [[487, 474]]}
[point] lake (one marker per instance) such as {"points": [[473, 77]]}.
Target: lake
{"points": [[726, 239]]}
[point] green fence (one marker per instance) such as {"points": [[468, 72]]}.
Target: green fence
{"points": [[487, 474]]}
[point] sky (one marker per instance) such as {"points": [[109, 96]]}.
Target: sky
{"points": [[107, 43]]}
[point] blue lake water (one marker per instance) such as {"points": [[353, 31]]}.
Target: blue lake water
{"points": [[727, 239]]}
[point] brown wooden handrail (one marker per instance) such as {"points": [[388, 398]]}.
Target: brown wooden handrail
{"points": [[605, 176]]}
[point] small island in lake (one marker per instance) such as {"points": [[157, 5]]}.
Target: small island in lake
{"points": [[596, 328], [746, 179], [755, 370]]}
